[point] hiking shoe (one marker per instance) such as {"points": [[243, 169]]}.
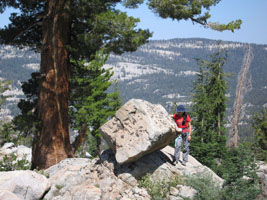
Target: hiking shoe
{"points": [[174, 162], [183, 163]]}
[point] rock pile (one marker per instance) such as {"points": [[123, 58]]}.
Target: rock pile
{"points": [[80, 178]]}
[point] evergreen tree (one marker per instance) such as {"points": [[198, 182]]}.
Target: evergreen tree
{"points": [[240, 174], [209, 141], [200, 107], [201, 145], [27, 108], [3, 87], [174, 106], [90, 104], [65, 29], [260, 127], [4, 134]]}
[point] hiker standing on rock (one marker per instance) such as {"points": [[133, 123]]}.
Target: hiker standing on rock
{"points": [[183, 122]]}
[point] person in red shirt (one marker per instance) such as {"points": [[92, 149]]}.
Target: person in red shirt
{"points": [[183, 122]]}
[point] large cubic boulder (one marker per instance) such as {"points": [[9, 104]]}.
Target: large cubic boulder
{"points": [[137, 129]]}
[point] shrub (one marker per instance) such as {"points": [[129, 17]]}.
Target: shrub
{"points": [[10, 163], [206, 188], [158, 189], [239, 171]]}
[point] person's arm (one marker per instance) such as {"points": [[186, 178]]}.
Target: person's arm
{"points": [[189, 128], [178, 130]]}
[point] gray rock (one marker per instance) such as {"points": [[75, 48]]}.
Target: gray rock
{"points": [[22, 152], [159, 165], [174, 191], [186, 191], [135, 193], [80, 178], [262, 174], [8, 145], [7, 195], [24, 184], [138, 129], [170, 197], [193, 167]]}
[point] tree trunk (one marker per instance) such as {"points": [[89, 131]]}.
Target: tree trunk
{"points": [[202, 127], [98, 143], [80, 138], [52, 143], [219, 124]]}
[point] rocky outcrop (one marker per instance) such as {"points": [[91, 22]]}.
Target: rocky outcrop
{"points": [[81, 178], [137, 129], [104, 178], [159, 165]]}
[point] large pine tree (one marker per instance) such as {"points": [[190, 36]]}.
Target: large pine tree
{"points": [[209, 98], [75, 29]]}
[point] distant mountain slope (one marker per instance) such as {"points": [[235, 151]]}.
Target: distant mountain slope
{"points": [[163, 71], [16, 65]]}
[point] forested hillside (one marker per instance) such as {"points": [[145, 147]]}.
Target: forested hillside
{"points": [[162, 72]]}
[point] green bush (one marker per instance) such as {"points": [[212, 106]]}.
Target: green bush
{"points": [[9, 163], [158, 189], [238, 169], [206, 188], [236, 187], [8, 133], [239, 172], [241, 189]]}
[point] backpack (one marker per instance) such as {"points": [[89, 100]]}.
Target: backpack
{"points": [[184, 116]]}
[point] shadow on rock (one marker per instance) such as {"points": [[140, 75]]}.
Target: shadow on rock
{"points": [[158, 164]]}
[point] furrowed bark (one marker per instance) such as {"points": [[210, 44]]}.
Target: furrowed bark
{"points": [[52, 143]]}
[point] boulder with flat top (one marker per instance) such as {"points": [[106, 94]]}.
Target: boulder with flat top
{"points": [[138, 128]]}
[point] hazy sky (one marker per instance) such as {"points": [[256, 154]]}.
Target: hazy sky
{"points": [[253, 13]]}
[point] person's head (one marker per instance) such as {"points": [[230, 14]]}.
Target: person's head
{"points": [[180, 110]]}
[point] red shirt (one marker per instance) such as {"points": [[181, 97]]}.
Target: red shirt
{"points": [[179, 121]]}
